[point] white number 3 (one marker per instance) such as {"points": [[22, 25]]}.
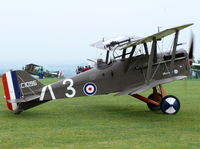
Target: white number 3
{"points": [[70, 88]]}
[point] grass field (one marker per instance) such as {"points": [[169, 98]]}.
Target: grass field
{"points": [[105, 122]]}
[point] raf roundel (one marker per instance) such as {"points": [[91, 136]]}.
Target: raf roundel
{"points": [[90, 89]]}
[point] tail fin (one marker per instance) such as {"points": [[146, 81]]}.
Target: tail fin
{"points": [[20, 87]]}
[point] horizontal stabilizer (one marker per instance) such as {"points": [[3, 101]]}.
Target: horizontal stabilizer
{"points": [[27, 99]]}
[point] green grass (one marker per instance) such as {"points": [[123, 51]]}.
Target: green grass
{"points": [[105, 122]]}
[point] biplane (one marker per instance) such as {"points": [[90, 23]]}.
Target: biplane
{"points": [[196, 70], [129, 72], [34, 69]]}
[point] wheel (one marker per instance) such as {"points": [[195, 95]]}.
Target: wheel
{"points": [[151, 106], [170, 105], [18, 111]]}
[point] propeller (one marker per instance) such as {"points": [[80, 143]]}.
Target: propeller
{"points": [[190, 61], [191, 49]]}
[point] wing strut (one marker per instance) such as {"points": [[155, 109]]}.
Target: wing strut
{"points": [[146, 48], [130, 57], [174, 51], [107, 56], [124, 54], [151, 58]]}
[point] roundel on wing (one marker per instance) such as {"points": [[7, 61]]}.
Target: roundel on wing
{"points": [[90, 89]]}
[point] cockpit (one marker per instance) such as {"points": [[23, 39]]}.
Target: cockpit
{"points": [[113, 50]]}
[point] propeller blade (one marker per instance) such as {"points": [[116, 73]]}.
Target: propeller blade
{"points": [[191, 49]]}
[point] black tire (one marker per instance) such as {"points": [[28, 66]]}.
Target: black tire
{"points": [[18, 111], [151, 106], [170, 105]]}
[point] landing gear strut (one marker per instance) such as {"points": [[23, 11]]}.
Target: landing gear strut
{"points": [[168, 104], [155, 96]]}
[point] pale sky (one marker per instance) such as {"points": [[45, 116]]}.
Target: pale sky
{"points": [[60, 31]]}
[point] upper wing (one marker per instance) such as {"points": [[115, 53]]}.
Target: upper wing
{"points": [[158, 35]]}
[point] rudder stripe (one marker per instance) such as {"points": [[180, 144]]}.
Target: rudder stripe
{"points": [[15, 84], [6, 91]]}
